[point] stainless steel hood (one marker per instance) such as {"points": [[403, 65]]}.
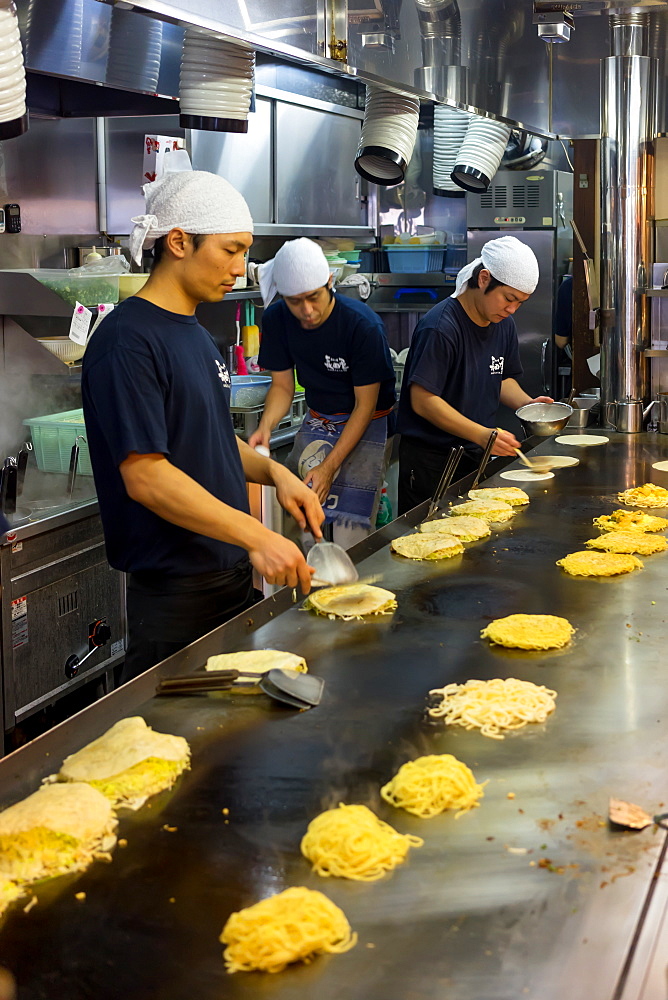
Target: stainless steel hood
{"points": [[546, 89], [496, 66]]}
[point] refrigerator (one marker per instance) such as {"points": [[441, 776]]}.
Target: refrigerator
{"points": [[536, 206]]}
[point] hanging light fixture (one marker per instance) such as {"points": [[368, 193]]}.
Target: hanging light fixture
{"points": [[13, 111], [480, 153], [216, 83], [388, 136], [450, 126]]}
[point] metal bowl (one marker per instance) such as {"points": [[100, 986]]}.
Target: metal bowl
{"points": [[544, 419]]}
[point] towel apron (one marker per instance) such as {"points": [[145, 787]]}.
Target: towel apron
{"points": [[352, 499]]}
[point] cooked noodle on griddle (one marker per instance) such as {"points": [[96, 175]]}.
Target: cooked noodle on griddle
{"points": [[295, 925], [493, 707], [429, 785], [352, 842]]}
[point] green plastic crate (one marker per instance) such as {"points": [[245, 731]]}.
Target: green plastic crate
{"points": [[52, 438]]}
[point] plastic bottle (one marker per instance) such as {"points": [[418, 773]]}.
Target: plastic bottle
{"points": [[384, 515]]}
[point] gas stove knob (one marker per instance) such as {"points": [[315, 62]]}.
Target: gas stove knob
{"points": [[100, 634], [72, 664]]}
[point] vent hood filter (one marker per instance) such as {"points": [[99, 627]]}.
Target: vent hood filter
{"points": [[216, 83], [450, 127], [13, 112], [480, 154], [389, 131]]}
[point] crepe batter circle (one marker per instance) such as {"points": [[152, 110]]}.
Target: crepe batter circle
{"points": [[581, 440], [661, 466], [525, 475], [561, 461]]}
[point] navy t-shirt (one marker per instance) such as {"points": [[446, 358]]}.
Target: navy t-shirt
{"points": [[348, 350], [463, 363], [154, 382]]}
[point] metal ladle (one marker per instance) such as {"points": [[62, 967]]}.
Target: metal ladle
{"points": [[332, 564], [541, 463]]}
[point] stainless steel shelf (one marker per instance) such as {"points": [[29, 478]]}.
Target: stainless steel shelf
{"points": [[244, 293], [280, 229]]}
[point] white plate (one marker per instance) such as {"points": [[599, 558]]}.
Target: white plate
{"points": [[660, 466]]}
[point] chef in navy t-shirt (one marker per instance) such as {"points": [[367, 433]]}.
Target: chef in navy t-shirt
{"points": [[340, 352], [463, 361], [170, 473]]}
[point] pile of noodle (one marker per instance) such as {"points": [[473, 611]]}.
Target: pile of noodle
{"points": [[351, 842], [293, 926], [431, 784], [495, 706]]}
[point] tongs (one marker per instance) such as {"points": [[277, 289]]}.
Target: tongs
{"points": [[485, 458], [287, 686], [446, 478]]}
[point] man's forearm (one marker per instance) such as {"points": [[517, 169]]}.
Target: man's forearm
{"points": [[447, 418], [175, 497], [513, 395], [277, 404]]}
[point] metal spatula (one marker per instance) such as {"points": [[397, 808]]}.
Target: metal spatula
{"points": [[332, 564], [287, 686]]}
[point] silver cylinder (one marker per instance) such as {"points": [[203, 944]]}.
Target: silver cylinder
{"points": [[627, 192]]}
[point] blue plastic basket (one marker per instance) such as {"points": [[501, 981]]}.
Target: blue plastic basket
{"points": [[415, 259]]}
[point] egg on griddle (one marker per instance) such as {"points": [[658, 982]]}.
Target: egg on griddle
{"points": [[598, 563], [529, 632], [629, 542]]}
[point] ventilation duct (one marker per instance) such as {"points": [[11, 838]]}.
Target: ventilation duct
{"points": [[388, 136], [54, 35], [480, 153], [216, 83], [450, 126], [135, 50], [524, 151], [13, 113]]}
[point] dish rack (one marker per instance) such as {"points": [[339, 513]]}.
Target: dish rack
{"points": [[245, 419]]}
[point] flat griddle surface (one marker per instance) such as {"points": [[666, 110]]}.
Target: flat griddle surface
{"points": [[531, 895]]}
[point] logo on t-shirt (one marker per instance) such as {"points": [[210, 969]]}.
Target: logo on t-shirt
{"points": [[496, 366], [335, 364], [223, 374]]}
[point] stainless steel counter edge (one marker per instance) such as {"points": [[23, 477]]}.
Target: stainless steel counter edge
{"points": [[50, 521]]}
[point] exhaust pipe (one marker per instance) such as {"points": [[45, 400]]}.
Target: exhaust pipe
{"points": [[216, 85], [627, 192], [389, 131], [450, 126], [480, 154], [13, 111]]}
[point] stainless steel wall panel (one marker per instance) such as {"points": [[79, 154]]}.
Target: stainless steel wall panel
{"points": [[576, 78], [243, 160], [51, 173], [124, 159], [315, 177]]}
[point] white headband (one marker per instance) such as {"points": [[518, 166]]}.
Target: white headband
{"points": [[299, 266], [508, 260], [193, 200]]}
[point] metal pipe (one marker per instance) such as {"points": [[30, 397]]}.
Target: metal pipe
{"points": [[627, 164]]}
